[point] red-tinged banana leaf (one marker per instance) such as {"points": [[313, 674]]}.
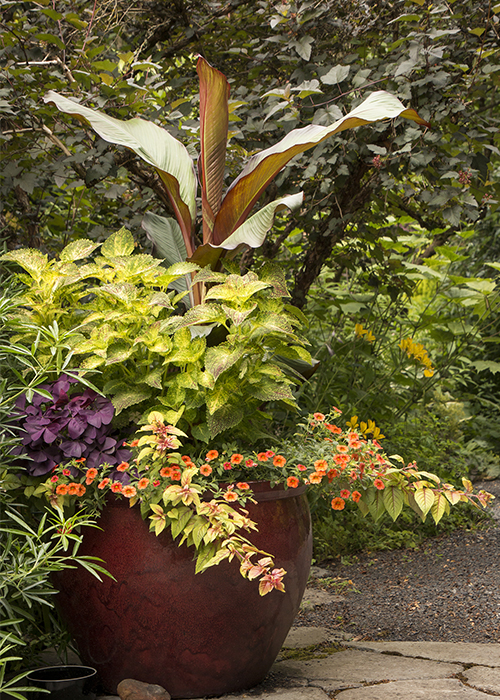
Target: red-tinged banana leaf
{"points": [[264, 166], [214, 120], [254, 230], [154, 145]]}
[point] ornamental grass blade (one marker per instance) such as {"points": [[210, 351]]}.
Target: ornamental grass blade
{"points": [[154, 145], [264, 166], [214, 121]]}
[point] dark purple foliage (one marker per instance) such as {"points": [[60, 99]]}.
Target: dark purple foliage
{"points": [[70, 426]]}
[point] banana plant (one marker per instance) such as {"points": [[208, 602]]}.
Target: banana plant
{"points": [[226, 221]]}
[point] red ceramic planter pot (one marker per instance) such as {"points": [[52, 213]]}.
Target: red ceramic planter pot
{"points": [[158, 622]]}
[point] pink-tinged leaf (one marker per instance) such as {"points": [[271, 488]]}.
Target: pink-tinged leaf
{"points": [[264, 166], [214, 120], [155, 146], [254, 230]]}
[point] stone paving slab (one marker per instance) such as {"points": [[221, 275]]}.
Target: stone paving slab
{"points": [[452, 652], [317, 596], [356, 666], [440, 689], [283, 694], [300, 637], [486, 679]]}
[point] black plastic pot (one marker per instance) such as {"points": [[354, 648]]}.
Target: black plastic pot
{"points": [[64, 682]]}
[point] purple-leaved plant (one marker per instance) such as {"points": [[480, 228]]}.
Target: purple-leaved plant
{"points": [[71, 426]]}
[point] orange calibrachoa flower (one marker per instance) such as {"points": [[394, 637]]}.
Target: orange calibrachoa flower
{"points": [[345, 493], [333, 429], [279, 461], [62, 489], [242, 485], [116, 486], [338, 503], [292, 482], [236, 458], [80, 489], [379, 484], [230, 496], [82, 460], [73, 489], [206, 470], [176, 475], [321, 465], [102, 484], [342, 448], [356, 496], [129, 491], [142, 484], [122, 467], [315, 477], [186, 459], [90, 475], [211, 454], [262, 457], [319, 416], [166, 471]]}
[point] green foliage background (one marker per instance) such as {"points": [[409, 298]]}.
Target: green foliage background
{"points": [[399, 222]]}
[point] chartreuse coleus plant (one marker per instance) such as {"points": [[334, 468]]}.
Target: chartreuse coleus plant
{"points": [[201, 499], [225, 221], [144, 355]]}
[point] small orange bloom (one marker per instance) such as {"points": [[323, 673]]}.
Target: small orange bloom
{"points": [[321, 465], [81, 460], [262, 457], [319, 416], [242, 485], [166, 471], [186, 459], [338, 503], [91, 475], [122, 467], [279, 461], [315, 477], [62, 489], [134, 443], [236, 459], [345, 493], [342, 448], [206, 470], [292, 482], [211, 454], [230, 496], [116, 486], [379, 484], [80, 489], [333, 428], [332, 473], [301, 467], [102, 484], [356, 496], [73, 489], [176, 475], [129, 491], [142, 484]]}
